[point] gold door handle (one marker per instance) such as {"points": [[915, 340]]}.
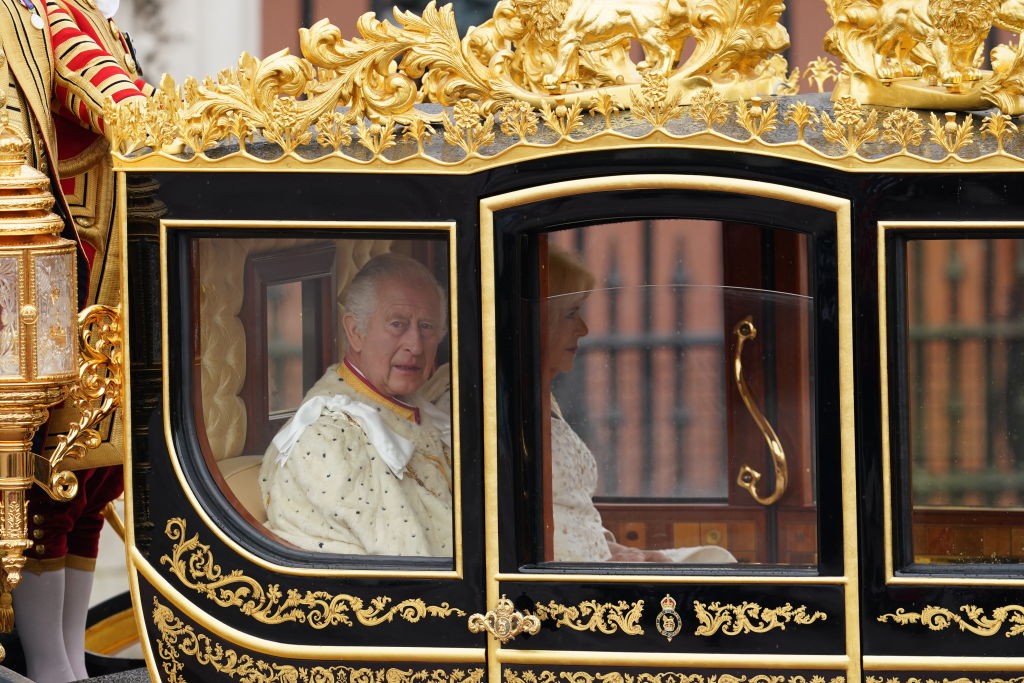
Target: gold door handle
{"points": [[748, 476], [504, 622]]}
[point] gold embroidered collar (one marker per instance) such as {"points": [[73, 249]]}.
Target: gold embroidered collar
{"points": [[355, 379]]}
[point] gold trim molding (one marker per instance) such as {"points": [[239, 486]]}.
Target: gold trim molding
{"points": [[192, 563], [974, 619], [750, 617], [595, 617], [530, 676], [846, 133], [177, 640]]}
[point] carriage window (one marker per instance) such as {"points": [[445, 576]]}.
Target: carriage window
{"points": [[965, 401], [323, 389], [675, 361]]}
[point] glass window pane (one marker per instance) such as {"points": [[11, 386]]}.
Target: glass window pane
{"points": [[965, 370], [657, 406], [324, 389]]}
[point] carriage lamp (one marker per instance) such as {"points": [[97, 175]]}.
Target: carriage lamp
{"points": [[39, 348]]}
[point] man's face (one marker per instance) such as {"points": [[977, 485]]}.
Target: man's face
{"points": [[396, 352]]}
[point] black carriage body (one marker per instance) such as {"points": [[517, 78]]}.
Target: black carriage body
{"points": [[217, 598]]}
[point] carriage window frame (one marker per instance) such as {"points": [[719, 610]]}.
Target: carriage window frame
{"points": [[824, 219], [191, 461], [900, 567]]}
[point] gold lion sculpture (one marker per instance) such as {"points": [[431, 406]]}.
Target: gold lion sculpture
{"points": [[940, 40], [660, 26]]}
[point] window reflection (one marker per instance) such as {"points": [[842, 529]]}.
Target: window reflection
{"points": [[965, 370], [648, 431], [284, 346]]}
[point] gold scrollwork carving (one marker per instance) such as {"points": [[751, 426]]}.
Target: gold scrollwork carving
{"points": [[547, 53], [529, 676], [594, 616], [193, 564], [178, 640], [565, 64], [749, 617], [96, 396], [974, 619]]}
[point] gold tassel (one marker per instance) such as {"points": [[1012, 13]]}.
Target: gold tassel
{"points": [[6, 611]]}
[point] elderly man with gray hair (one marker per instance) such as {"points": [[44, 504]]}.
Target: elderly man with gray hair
{"points": [[364, 466]]}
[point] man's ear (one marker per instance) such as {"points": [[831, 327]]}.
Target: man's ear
{"points": [[351, 325]]}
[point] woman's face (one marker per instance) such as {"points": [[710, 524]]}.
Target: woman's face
{"points": [[565, 327]]}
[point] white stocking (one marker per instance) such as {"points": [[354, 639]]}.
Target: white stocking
{"points": [[77, 588], [38, 615]]}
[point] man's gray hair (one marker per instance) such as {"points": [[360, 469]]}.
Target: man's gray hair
{"points": [[360, 297]]}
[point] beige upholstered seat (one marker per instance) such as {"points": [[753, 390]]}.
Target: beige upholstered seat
{"points": [[241, 475]]}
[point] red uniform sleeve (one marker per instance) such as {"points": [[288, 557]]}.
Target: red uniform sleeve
{"points": [[86, 73]]}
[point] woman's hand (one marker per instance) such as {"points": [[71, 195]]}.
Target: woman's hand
{"points": [[623, 553], [656, 556]]}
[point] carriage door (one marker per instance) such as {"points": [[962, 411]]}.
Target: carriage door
{"points": [[669, 458], [236, 323], [944, 575]]}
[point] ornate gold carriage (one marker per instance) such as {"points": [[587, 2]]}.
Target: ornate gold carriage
{"points": [[804, 343]]}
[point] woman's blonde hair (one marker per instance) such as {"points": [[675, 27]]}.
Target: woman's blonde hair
{"points": [[566, 273]]}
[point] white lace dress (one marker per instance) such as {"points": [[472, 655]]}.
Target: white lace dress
{"points": [[579, 534]]}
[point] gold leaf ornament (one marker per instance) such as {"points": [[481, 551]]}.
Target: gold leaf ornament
{"points": [[750, 617], [850, 128], [803, 116], [179, 641], [594, 616], [758, 119], [469, 128], [519, 119], [654, 103], [563, 119], [949, 135], [904, 128], [97, 394], [709, 106], [1000, 127], [974, 619], [192, 563]]}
